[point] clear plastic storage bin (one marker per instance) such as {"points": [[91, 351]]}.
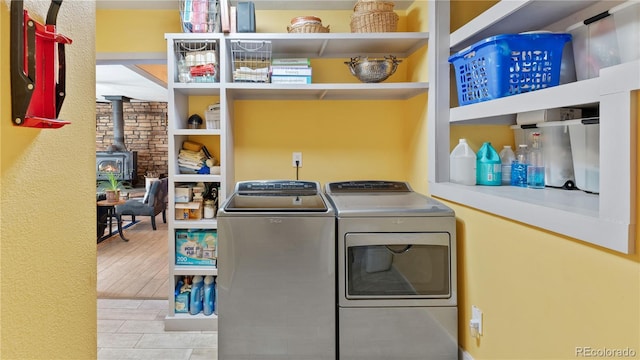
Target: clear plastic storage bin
{"points": [[607, 39], [556, 150], [585, 148]]}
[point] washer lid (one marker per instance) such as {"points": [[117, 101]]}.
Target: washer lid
{"points": [[380, 198], [276, 195]]}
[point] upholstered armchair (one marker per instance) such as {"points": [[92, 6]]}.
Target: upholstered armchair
{"points": [[153, 203]]}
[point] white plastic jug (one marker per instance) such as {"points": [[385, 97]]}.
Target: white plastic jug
{"points": [[462, 164]]}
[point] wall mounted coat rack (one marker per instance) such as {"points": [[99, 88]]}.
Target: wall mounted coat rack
{"points": [[37, 68]]}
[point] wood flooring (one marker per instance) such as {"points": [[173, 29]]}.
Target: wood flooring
{"points": [[137, 269]]}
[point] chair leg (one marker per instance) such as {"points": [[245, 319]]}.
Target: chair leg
{"points": [[153, 222], [164, 216]]}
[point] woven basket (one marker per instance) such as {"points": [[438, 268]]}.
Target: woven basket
{"points": [[308, 28], [374, 21], [373, 5]]}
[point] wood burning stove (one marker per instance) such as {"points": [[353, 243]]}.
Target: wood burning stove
{"points": [[123, 164], [117, 159]]}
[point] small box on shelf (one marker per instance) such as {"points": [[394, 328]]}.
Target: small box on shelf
{"points": [[183, 194], [189, 211], [196, 247]]}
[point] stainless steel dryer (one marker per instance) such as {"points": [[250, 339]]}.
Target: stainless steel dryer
{"points": [[396, 257], [276, 273]]}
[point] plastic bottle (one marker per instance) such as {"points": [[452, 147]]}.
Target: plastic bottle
{"points": [[507, 156], [462, 164], [535, 170], [208, 304], [488, 166], [197, 295], [519, 167]]}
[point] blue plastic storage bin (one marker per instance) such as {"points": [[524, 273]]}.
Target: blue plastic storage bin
{"points": [[507, 65]]}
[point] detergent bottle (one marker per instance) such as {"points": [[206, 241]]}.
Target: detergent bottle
{"points": [[208, 305], [197, 295], [488, 166]]}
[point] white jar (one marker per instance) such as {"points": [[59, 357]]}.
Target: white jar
{"points": [[209, 209]]}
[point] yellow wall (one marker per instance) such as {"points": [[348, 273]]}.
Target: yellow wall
{"points": [[542, 294], [47, 222]]}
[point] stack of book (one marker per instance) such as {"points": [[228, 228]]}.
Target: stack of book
{"points": [[291, 71]]}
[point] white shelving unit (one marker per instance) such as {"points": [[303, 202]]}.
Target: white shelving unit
{"points": [[607, 219], [315, 46]]}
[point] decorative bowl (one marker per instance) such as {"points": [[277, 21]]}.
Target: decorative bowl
{"points": [[373, 70]]}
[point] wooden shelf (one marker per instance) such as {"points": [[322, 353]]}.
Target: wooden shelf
{"points": [[195, 270], [339, 45], [515, 16], [196, 224], [359, 91]]}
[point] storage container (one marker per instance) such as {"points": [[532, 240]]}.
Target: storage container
{"points": [[607, 39], [543, 115], [198, 16], [507, 65], [251, 60], [556, 150], [585, 148], [196, 247], [189, 211], [196, 61]]}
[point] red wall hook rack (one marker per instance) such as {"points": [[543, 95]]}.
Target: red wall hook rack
{"points": [[37, 68]]}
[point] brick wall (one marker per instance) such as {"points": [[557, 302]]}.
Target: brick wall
{"points": [[145, 131]]}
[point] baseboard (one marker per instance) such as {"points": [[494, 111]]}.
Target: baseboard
{"points": [[463, 355]]}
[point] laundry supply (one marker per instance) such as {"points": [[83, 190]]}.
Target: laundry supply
{"points": [[507, 156], [462, 164], [535, 169], [197, 295], [519, 167], [208, 304], [488, 166]]}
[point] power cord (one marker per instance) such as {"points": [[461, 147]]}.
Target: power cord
{"points": [[297, 168]]}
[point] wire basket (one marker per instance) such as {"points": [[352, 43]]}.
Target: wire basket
{"points": [[251, 60], [200, 16], [196, 60], [374, 21], [507, 65]]}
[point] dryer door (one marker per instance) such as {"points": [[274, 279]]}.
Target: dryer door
{"points": [[397, 266]]}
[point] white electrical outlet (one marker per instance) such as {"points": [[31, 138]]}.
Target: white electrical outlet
{"points": [[475, 325], [297, 156]]}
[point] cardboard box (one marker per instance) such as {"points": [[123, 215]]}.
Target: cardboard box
{"points": [[183, 194], [196, 247], [189, 211]]}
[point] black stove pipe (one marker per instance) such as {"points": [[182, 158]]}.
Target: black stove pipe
{"points": [[118, 122]]}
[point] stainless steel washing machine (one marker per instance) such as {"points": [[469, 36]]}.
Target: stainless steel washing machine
{"points": [[396, 257], [276, 273]]}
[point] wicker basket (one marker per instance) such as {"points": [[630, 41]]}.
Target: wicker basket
{"points": [[308, 28], [373, 5], [374, 21]]}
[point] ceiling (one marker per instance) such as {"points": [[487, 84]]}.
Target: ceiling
{"points": [[130, 81]]}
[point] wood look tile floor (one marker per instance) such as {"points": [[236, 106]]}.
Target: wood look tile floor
{"points": [[137, 269], [134, 329], [132, 292]]}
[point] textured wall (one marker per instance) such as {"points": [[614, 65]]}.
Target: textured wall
{"points": [[145, 131], [47, 192]]}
